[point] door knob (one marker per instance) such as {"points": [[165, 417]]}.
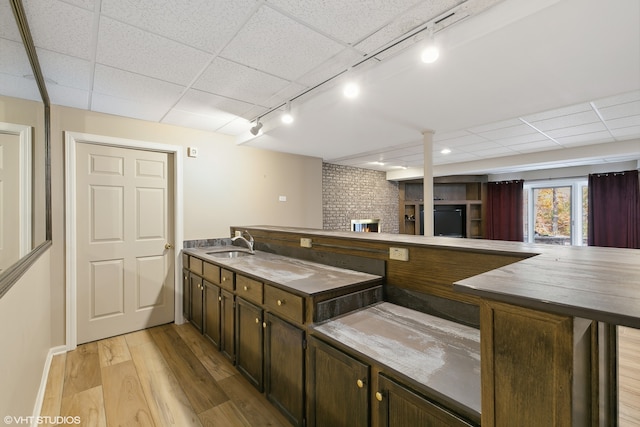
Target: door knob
{"points": [[168, 246]]}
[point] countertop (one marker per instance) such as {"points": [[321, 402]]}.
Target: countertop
{"points": [[441, 355], [303, 277], [591, 282]]}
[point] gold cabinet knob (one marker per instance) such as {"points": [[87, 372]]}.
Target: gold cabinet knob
{"points": [[257, 320], [360, 383], [264, 325], [219, 298], [168, 246], [379, 396], [246, 288], [280, 302], [224, 279]]}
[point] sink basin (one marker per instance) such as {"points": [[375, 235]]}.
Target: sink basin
{"points": [[229, 254]]}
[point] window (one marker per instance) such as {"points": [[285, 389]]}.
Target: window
{"points": [[555, 212]]}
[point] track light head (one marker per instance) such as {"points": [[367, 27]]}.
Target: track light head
{"points": [[256, 129]]}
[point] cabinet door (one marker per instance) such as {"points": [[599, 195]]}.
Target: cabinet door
{"points": [[398, 406], [227, 325], [196, 300], [337, 388], [284, 367], [249, 340], [186, 295], [211, 323]]}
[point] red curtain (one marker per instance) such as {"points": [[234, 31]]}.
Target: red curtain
{"points": [[504, 211], [614, 210]]}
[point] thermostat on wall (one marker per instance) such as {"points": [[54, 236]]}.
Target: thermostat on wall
{"points": [[192, 151]]}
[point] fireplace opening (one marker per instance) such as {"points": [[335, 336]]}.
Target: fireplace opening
{"points": [[365, 225]]}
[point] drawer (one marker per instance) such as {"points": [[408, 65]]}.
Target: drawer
{"points": [[195, 265], [226, 280], [185, 261], [211, 272], [284, 303], [249, 289]]}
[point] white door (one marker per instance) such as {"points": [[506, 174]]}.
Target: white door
{"points": [[124, 241], [10, 218]]}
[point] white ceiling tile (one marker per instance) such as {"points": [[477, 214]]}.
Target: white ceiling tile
{"points": [[522, 139], [122, 84], [147, 53], [211, 122], [558, 112], [8, 27], [136, 109], [236, 127], [577, 130], [624, 122], [198, 101], [627, 132], [203, 24], [496, 125], [618, 99], [19, 87], [463, 140], [273, 43], [85, 4], [335, 17], [620, 110], [332, 67], [236, 81], [494, 152], [68, 96], [534, 146], [61, 27], [19, 65], [585, 139], [441, 137], [568, 120], [509, 132], [65, 70]]}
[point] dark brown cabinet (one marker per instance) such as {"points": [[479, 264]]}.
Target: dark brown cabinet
{"points": [[212, 322], [337, 388], [284, 367], [249, 341], [399, 406], [196, 289], [227, 325], [186, 295]]}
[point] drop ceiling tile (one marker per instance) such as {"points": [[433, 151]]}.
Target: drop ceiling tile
{"points": [[585, 139], [18, 65], [335, 17], [620, 110], [204, 24], [125, 85], [558, 112], [85, 4], [577, 130], [569, 120], [509, 132], [332, 67], [147, 53], [534, 146], [19, 87], [236, 81], [68, 96], [195, 101], [65, 70], [627, 132], [618, 99], [61, 27], [463, 140], [8, 27], [522, 139], [136, 109], [494, 152], [211, 122], [624, 122], [278, 45], [235, 127], [495, 126], [439, 137]]}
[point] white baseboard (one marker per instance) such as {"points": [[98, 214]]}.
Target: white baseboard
{"points": [[43, 381]]}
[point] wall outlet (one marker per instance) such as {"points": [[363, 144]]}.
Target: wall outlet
{"points": [[305, 243], [192, 151], [399, 254], [282, 198], [238, 233]]}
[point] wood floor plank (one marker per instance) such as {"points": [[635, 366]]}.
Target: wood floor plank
{"points": [[88, 405], [52, 400], [255, 408], [226, 414], [201, 389], [167, 401], [138, 338], [218, 366], [113, 351], [82, 369], [124, 401]]}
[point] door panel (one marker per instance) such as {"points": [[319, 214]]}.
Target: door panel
{"points": [[124, 216]]}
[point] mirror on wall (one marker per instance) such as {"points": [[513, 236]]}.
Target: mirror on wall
{"points": [[24, 152]]}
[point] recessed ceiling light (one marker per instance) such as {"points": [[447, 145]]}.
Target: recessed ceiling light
{"points": [[445, 151], [351, 90], [377, 163]]}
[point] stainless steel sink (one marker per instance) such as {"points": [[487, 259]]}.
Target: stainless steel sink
{"points": [[229, 254]]}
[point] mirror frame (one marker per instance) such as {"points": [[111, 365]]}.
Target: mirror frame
{"points": [[11, 275]]}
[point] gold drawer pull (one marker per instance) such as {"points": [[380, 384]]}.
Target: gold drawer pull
{"points": [[264, 325], [219, 298], [246, 288], [257, 320], [379, 396], [360, 383], [281, 302], [224, 279]]}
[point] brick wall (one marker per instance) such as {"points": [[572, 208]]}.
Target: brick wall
{"points": [[354, 193]]}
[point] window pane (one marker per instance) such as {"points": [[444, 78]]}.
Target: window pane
{"points": [[552, 215]]}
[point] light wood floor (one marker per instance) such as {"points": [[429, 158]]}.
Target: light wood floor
{"points": [[629, 376], [165, 376]]}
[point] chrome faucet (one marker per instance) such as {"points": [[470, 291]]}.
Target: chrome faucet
{"points": [[248, 243]]}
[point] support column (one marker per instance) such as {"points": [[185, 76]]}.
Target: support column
{"points": [[427, 138]]}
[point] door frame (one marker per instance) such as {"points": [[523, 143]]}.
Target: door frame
{"points": [[71, 139]]}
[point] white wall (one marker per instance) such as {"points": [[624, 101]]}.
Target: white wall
{"points": [[25, 337]]}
